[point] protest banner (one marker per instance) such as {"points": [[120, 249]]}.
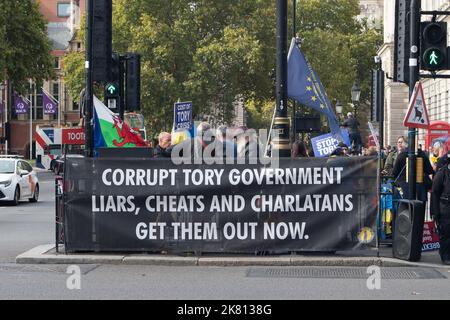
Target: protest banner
{"points": [[302, 205], [324, 145]]}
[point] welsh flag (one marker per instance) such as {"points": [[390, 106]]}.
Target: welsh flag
{"points": [[111, 132]]}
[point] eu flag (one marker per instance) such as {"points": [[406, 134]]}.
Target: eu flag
{"points": [[304, 86]]}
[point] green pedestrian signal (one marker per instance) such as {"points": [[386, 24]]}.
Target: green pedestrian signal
{"points": [[433, 46], [111, 90], [434, 58]]}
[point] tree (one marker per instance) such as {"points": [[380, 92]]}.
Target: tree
{"points": [[216, 51], [74, 72], [24, 46], [340, 48], [207, 51]]}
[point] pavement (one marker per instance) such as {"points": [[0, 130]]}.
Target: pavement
{"points": [[46, 254]]}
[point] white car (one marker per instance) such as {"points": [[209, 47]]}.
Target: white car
{"points": [[18, 181]]}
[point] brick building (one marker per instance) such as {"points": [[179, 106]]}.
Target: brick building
{"points": [[63, 18]]}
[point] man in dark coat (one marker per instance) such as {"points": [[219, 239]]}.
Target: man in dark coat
{"points": [[440, 204], [399, 174], [352, 126]]}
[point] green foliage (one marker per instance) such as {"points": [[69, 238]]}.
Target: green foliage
{"points": [[24, 46], [216, 51], [260, 113], [340, 48], [74, 73]]}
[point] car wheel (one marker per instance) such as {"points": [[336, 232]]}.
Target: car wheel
{"points": [[35, 195], [15, 202]]}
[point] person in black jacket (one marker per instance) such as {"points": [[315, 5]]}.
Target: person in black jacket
{"points": [[352, 125], [440, 204], [163, 149], [399, 174]]}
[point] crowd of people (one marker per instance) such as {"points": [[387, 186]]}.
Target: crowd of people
{"points": [[435, 164], [239, 140]]}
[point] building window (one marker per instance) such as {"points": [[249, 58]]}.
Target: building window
{"points": [[56, 63], [55, 93], [39, 104], [55, 90], [63, 9]]}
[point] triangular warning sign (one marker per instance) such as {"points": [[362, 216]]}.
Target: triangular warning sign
{"points": [[417, 115]]}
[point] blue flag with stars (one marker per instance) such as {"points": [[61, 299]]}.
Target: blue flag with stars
{"points": [[305, 87]]}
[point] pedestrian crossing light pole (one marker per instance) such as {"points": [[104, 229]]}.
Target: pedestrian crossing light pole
{"points": [[413, 78], [280, 131]]}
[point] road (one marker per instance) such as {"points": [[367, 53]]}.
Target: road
{"points": [[29, 225]]}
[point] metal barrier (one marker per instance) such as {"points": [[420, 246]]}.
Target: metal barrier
{"points": [[59, 212]]}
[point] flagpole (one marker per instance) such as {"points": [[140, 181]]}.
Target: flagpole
{"points": [[59, 109], [294, 105], [270, 133], [50, 95], [31, 119]]}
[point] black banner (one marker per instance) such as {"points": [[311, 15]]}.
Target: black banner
{"points": [[153, 205]]}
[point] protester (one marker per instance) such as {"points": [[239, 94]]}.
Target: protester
{"points": [[372, 151], [437, 152], [390, 161], [338, 152], [399, 174], [163, 149], [441, 162], [345, 149], [353, 131], [440, 204], [223, 133], [299, 150], [247, 144]]}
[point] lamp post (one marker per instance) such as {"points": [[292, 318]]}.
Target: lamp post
{"points": [[339, 108], [164, 103], [3, 111], [356, 94]]}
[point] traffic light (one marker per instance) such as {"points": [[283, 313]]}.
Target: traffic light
{"points": [[402, 41], [433, 46], [115, 68], [102, 40], [377, 94], [112, 90], [133, 82]]}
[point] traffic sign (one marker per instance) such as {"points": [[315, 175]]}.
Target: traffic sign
{"points": [[417, 115], [112, 104]]}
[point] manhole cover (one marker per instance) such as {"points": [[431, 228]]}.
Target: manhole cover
{"points": [[343, 273], [19, 268]]}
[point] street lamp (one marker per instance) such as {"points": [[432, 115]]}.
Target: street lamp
{"points": [[356, 94], [164, 103], [339, 107]]}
